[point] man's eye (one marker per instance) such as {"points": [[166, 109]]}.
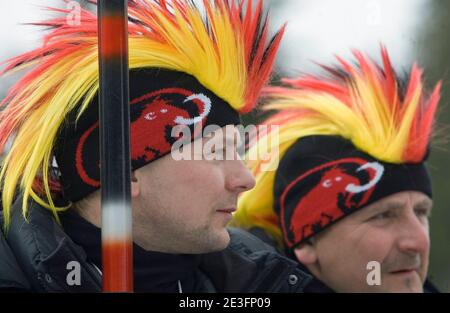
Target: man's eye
{"points": [[423, 212], [383, 216]]}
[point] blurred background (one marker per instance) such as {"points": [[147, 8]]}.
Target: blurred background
{"points": [[412, 30]]}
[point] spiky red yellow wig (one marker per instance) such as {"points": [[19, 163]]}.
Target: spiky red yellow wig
{"points": [[364, 103], [227, 49]]}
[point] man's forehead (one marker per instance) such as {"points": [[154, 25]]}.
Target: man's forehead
{"points": [[401, 200]]}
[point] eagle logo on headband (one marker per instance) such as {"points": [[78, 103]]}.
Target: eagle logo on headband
{"points": [[153, 117], [339, 187]]}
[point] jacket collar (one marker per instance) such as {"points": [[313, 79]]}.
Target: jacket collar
{"points": [[250, 265], [46, 254]]}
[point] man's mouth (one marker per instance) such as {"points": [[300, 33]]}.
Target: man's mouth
{"points": [[406, 271]]}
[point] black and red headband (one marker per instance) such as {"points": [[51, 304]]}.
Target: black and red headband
{"points": [[322, 179], [160, 100]]}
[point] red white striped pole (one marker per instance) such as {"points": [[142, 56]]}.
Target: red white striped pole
{"points": [[117, 241]]}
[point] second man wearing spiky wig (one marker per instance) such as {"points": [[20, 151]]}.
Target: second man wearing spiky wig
{"points": [[187, 68], [351, 193]]}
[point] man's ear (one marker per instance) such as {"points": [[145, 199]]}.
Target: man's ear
{"points": [[306, 254], [135, 185]]}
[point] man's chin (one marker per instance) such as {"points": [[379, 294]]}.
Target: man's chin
{"points": [[216, 240], [223, 239]]}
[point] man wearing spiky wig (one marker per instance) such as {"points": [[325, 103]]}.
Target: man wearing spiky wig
{"points": [[350, 197], [187, 68]]}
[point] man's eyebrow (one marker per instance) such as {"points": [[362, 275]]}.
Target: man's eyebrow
{"points": [[395, 205], [382, 207], [391, 205], [425, 203]]}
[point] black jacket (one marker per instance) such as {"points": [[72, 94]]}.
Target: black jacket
{"points": [[35, 254]]}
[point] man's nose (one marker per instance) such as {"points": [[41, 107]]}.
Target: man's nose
{"points": [[239, 179], [414, 235]]}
